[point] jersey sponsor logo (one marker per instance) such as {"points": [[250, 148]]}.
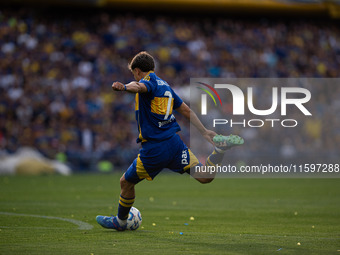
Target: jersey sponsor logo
{"points": [[184, 157], [162, 123]]}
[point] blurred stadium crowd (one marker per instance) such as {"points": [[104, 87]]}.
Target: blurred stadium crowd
{"points": [[56, 73]]}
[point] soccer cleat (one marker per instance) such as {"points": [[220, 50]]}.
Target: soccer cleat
{"points": [[227, 142], [110, 222]]}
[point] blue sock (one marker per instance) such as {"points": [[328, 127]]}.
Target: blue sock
{"points": [[124, 207], [215, 158]]}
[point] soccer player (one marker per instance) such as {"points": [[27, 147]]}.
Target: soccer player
{"points": [[161, 146]]}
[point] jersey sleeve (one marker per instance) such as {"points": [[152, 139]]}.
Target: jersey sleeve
{"points": [[149, 85], [177, 100]]}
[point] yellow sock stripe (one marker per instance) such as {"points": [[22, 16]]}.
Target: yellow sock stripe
{"points": [[125, 204], [209, 163], [127, 201]]}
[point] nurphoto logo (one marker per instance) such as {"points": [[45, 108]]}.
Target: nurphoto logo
{"points": [[281, 97]]}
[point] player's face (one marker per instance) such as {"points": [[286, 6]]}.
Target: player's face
{"points": [[135, 73]]}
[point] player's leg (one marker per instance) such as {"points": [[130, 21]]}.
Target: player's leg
{"points": [[200, 172], [127, 197], [135, 173], [222, 144], [186, 162], [151, 160]]}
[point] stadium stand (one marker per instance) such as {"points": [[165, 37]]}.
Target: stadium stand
{"points": [[56, 73]]}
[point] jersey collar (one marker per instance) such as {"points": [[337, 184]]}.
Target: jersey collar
{"points": [[148, 74]]}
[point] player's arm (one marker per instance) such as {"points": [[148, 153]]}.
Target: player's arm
{"points": [[192, 117], [132, 87]]}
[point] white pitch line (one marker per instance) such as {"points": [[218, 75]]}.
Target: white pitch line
{"points": [[81, 224], [8, 227]]}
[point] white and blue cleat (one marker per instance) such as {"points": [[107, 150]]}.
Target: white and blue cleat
{"points": [[110, 222]]}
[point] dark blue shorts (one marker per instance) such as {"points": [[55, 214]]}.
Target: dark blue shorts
{"points": [[155, 156]]}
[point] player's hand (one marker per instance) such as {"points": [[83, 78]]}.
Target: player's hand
{"points": [[209, 135], [118, 86]]}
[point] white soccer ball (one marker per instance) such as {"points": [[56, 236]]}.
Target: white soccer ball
{"points": [[134, 220]]}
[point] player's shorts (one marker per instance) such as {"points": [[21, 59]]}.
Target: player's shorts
{"points": [[155, 156]]}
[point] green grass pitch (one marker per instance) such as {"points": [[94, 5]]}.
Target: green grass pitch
{"points": [[231, 216]]}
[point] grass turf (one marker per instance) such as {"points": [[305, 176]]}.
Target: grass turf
{"points": [[231, 216]]}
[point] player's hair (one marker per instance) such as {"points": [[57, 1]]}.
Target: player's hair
{"points": [[144, 61]]}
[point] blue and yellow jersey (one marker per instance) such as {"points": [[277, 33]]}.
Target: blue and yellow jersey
{"points": [[154, 110]]}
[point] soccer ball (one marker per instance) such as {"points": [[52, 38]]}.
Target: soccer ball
{"points": [[134, 220]]}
